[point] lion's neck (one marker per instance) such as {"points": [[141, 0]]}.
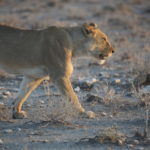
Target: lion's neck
{"points": [[78, 40]]}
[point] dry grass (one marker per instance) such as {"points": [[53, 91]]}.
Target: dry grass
{"points": [[4, 113], [144, 101], [108, 135]]}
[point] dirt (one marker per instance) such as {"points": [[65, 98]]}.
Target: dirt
{"points": [[115, 91]]}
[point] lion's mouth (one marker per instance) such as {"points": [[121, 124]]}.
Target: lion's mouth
{"points": [[102, 57], [102, 61]]}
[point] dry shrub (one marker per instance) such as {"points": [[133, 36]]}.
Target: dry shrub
{"points": [[4, 113], [113, 135], [144, 101], [54, 107], [3, 74], [108, 135]]}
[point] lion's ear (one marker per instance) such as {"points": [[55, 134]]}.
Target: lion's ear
{"points": [[89, 29]]}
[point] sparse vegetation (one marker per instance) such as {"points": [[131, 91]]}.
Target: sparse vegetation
{"points": [[120, 95], [108, 135]]}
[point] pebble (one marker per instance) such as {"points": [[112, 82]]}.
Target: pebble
{"points": [[28, 105], [120, 142], [136, 141], [93, 98], [77, 89], [41, 101], [146, 89], [1, 141], [4, 96], [8, 131], [117, 80], [1, 103], [19, 129], [6, 93], [130, 145], [45, 141], [84, 84], [90, 80], [111, 116], [104, 114], [141, 148]]}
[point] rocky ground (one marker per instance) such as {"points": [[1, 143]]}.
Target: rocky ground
{"points": [[118, 91]]}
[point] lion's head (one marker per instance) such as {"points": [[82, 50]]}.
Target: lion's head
{"points": [[97, 42]]}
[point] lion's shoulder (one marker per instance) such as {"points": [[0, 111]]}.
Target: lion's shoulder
{"points": [[59, 36]]}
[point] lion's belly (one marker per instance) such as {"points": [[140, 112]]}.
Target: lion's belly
{"points": [[36, 72]]}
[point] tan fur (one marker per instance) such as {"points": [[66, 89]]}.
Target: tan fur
{"points": [[38, 54]]}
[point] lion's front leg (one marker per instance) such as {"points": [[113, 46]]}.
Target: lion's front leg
{"points": [[66, 89]]}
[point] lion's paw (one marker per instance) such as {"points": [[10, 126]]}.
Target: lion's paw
{"points": [[89, 114], [19, 115]]}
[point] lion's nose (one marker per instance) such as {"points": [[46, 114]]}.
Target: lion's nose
{"points": [[112, 50]]}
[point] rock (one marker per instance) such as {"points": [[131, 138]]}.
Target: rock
{"points": [[77, 89], [130, 145], [84, 84], [146, 89], [8, 131], [93, 98], [141, 148], [1, 141], [104, 114], [4, 96], [6, 93], [45, 141], [120, 142], [117, 80], [1, 103], [19, 129], [136, 142], [41, 101], [111, 116], [28, 105]]}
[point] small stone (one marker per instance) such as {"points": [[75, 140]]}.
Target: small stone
{"points": [[130, 145], [90, 80], [4, 96], [1, 103], [136, 141], [8, 131], [77, 89], [141, 148], [117, 80], [104, 114], [146, 89], [1, 141], [28, 105], [45, 141], [91, 114], [116, 75], [41, 101], [111, 116], [6, 93], [19, 129], [120, 142], [93, 98]]}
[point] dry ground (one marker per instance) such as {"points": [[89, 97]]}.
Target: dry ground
{"points": [[118, 92]]}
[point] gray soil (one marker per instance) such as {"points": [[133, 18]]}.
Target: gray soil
{"points": [[118, 91]]}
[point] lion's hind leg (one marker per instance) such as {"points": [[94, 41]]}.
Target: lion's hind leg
{"points": [[27, 86]]}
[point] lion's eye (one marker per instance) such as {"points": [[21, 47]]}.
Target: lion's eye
{"points": [[104, 38]]}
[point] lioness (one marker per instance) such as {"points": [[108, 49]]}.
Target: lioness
{"points": [[38, 54]]}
